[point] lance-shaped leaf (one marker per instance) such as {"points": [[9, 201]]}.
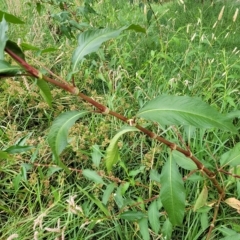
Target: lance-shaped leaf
{"points": [[172, 192], [10, 18], [4, 155], [132, 215], [3, 37], [7, 70], [184, 110], [167, 229], [183, 161], [95, 200], [112, 154], [202, 199], [45, 91], [107, 192], [93, 176], [153, 216], [18, 149], [15, 48], [232, 157], [143, 228], [58, 134], [90, 41]]}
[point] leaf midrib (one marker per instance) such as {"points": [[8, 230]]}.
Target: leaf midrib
{"points": [[177, 111]]}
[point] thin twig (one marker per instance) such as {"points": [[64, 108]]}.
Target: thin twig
{"points": [[216, 209]]}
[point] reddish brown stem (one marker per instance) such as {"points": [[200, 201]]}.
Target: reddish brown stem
{"points": [[214, 216], [228, 173], [64, 85]]}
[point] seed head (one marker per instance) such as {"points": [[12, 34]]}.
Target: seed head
{"points": [[221, 13], [235, 15]]}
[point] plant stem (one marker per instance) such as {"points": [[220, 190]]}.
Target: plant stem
{"points": [[104, 110]]}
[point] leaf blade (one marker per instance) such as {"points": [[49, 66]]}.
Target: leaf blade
{"points": [[3, 37], [143, 228], [7, 70], [112, 154], [45, 91], [183, 161], [153, 216], [231, 157], [57, 136], [93, 176], [132, 215], [10, 18], [184, 110], [172, 192], [90, 41], [202, 198]]}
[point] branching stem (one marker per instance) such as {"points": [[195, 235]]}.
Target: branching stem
{"points": [[103, 109]]}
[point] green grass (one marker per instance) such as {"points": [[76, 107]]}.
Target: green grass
{"points": [[179, 55]]}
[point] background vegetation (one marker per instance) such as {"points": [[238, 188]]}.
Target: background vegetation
{"points": [[189, 49]]}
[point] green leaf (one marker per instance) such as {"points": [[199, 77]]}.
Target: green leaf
{"points": [[124, 187], [90, 41], [132, 215], [15, 48], [96, 155], [16, 181], [3, 37], [45, 91], [50, 49], [4, 155], [172, 192], [118, 198], [107, 192], [93, 176], [153, 216], [234, 236], [204, 221], [96, 201], [232, 157], [183, 161], [57, 137], [10, 18], [27, 46], [6, 69], [154, 175], [149, 15], [18, 149], [143, 228], [134, 173], [52, 170], [234, 114], [226, 231], [39, 7], [201, 200], [167, 229], [136, 28], [112, 154], [183, 110]]}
